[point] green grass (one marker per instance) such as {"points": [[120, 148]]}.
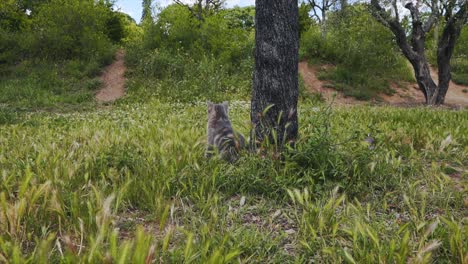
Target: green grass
{"points": [[363, 85], [48, 86], [181, 77], [460, 70], [130, 184]]}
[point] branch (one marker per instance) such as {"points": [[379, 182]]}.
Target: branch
{"points": [[434, 17], [430, 22], [453, 27], [198, 15], [186, 5], [395, 8], [379, 13], [414, 12], [327, 4], [462, 14], [417, 32], [314, 5]]}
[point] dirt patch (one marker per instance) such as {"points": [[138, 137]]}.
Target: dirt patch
{"points": [[455, 94], [309, 75], [406, 93], [113, 80]]}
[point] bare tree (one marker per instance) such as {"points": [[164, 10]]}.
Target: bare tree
{"points": [[320, 9], [455, 15], [199, 8], [275, 82]]}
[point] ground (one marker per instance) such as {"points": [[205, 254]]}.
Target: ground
{"points": [[113, 80], [405, 94]]}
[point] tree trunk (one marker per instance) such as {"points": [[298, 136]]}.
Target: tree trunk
{"points": [[275, 81], [343, 4], [422, 73], [324, 24], [445, 49], [415, 53]]}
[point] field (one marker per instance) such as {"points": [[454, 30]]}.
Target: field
{"points": [[103, 135], [129, 184]]}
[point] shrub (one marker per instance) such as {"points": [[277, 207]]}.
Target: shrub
{"points": [[70, 30], [363, 50]]}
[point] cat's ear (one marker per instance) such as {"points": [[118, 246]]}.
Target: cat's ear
{"points": [[210, 106], [226, 106]]}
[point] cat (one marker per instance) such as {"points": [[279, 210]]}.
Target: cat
{"points": [[221, 136]]}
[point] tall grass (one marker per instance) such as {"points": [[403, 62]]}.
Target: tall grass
{"points": [[42, 85], [131, 185]]}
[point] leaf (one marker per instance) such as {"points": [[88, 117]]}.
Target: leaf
{"points": [[445, 143], [349, 258], [242, 201], [433, 245], [431, 228], [276, 214]]}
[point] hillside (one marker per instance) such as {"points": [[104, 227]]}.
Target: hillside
{"points": [[404, 93]]}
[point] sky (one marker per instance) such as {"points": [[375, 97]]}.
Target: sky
{"points": [[133, 7]]}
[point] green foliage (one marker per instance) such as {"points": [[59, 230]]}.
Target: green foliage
{"points": [[227, 35], [459, 61], [240, 17], [12, 17], [193, 60], [115, 27], [58, 30], [367, 59], [305, 21], [69, 29], [50, 57], [182, 77]]}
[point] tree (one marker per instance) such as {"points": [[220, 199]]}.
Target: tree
{"points": [[320, 9], [455, 15], [275, 80], [305, 21], [199, 8], [146, 14]]}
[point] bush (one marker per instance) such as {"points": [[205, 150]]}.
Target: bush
{"points": [[226, 35], [363, 50], [62, 30], [314, 46], [180, 77], [193, 60]]}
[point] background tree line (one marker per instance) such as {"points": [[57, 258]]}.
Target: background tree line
{"points": [[60, 30], [206, 49], [364, 52], [52, 51]]}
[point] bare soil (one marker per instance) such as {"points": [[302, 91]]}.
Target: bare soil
{"points": [[113, 80], [405, 94]]}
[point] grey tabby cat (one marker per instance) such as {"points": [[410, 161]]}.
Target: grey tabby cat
{"points": [[221, 136]]}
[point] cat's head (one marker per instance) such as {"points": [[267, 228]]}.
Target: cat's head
{"points": [[218, 111]]}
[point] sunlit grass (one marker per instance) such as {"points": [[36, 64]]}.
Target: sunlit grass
{"points": [[131, 185]]}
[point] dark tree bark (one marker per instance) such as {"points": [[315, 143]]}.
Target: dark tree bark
{"points": [[275, 80], [415, 50]]}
